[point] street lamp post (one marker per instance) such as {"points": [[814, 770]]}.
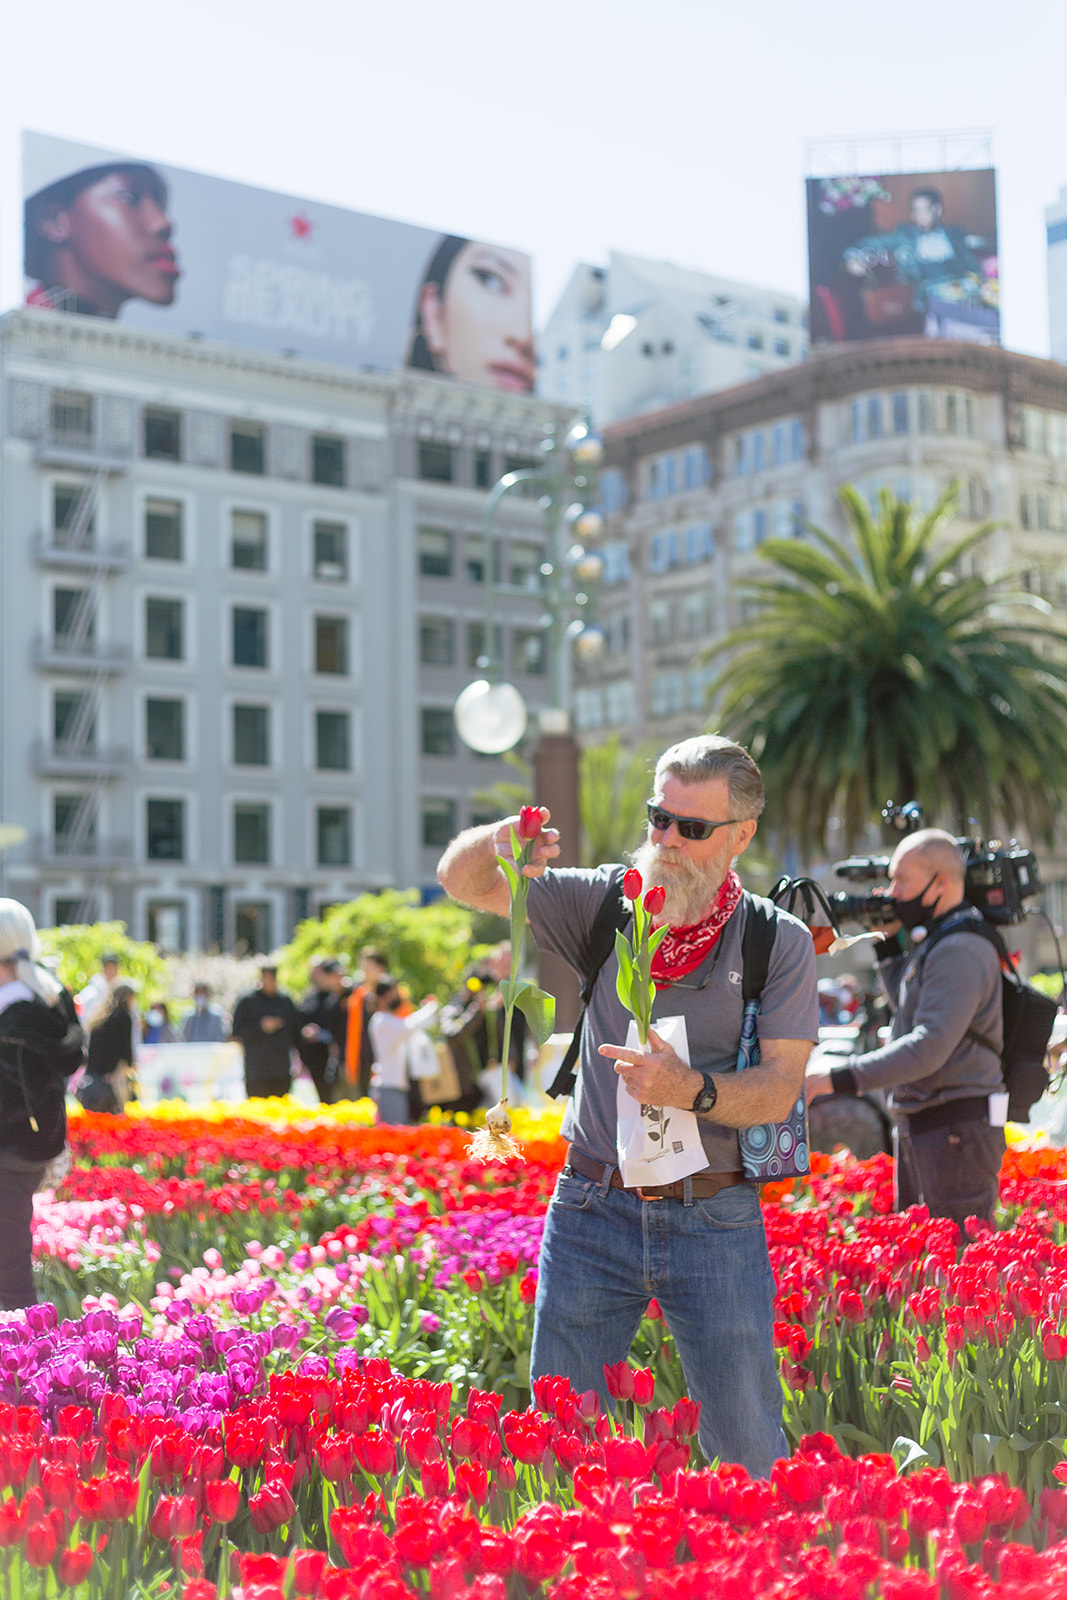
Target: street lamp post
{"points": [[490, 713]]}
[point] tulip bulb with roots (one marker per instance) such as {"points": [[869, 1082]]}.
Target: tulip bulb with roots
{"points": [[493, 1140]]}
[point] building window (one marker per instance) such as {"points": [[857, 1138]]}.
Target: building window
{"points": [[249, 636], [968, 420], [332, 741], [438, 732], [330, 541], [251, 835], [435, 462], [71, 416], [529, 651], [73, 823], [781, 347], [858, 429], [435, 553], [333, 827], [68, 510], [781, 314], [327, 460], [612, 490], [759, 456], [73, 615], [438, 823], [699, 543], [164, 722], [874, 416], [73, 722], [524, 566], [755, 340], [248, 541], [1042, 512], [695, 467], [248, 448], [619, 703], [664, 478], [483, 469], [163, 530], [927, 413], [616, 562], [437, 641], [660, 621], [162, 434], [476, 648], [252, 927], [331, 645], [251, 736], [165, 830], [1024, 509], [166, 925], [901, 414], [796, 439], [951, 414], [164, 630]]}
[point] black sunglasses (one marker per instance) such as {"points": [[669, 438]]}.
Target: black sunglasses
{"points": [[688, 827]]}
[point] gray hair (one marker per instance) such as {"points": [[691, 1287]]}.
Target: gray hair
{"points": [[19, 945], [710, 756]]}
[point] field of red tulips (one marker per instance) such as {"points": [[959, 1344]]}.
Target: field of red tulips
{"points": [[291, 1357]]}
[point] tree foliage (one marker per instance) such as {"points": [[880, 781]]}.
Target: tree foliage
{"points": [[426, 947], [77, 950], [613, 784], [878, 671]]}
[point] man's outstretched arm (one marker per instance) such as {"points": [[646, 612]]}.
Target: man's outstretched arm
{"points": [[469, 870]]}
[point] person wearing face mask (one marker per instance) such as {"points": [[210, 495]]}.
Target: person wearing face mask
{"points": [[206, 1023], [941, 1063]]}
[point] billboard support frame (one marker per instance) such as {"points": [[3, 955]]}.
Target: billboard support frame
{"points": [[948, 150]]}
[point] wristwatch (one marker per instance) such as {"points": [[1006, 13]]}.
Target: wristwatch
{"points": [[706, 1097]]}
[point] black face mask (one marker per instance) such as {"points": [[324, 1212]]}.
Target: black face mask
{"points": [[913, 913]]}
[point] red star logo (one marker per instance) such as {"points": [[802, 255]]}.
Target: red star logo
{"points": [[301, 227]]}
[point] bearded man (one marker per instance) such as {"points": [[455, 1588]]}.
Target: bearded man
{"points": [[697, 1244]]}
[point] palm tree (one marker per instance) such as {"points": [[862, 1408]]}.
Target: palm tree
{"points": [[613, 784], [876, 672]]}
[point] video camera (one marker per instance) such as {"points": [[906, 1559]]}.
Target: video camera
{"points": [[999, 877]]}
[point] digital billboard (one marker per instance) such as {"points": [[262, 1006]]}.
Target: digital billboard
{"points": [[904, 254], [161, 248]]}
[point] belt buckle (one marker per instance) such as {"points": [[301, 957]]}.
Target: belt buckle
{"points": [[641, 1195]]}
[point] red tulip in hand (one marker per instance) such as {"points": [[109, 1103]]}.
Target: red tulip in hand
{"points": [[634, 984]]}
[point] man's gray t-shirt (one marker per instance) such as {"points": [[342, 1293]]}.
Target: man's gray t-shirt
{"points": [[562, 908]]}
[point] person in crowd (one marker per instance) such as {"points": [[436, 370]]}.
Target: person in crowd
{"points": [[359, 1057], [100, 237], [206, 1023], [97, 992], [473, 316], [109, 1069], [473, 1025], [942, 1059], [390, 1030], [41, 1045], [324, 1019], [158, 1028], [267, 1025], [697, 1243]]}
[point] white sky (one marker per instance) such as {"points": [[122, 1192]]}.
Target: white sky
{"points": [[671, 128]]}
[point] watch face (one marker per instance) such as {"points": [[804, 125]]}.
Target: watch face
{"points": [[705, 1100]]}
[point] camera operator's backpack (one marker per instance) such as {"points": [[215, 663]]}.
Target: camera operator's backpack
{"points": [[1028, 1019]]}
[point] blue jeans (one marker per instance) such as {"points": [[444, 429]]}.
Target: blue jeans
{"points": [[606, 1253]]}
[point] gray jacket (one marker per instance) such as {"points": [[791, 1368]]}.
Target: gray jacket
{"points": [[929, 1060]]}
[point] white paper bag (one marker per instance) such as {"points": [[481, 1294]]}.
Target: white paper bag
{"points": [[657, 1144]]}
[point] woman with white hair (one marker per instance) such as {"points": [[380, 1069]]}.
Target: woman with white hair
{"points": [[41, 1044]]}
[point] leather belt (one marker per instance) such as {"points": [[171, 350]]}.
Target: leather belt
{"points": [[703, 1185]]}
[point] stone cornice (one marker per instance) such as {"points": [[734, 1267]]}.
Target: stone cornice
{"points": [[835, 374], [36, 331]]}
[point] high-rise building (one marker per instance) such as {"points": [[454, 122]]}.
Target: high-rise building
{"points": [[1056, 235], [636, 335], [239, 594]]}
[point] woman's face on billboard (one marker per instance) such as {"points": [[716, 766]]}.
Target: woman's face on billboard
{"points": [[112, 244], [479, 325]]}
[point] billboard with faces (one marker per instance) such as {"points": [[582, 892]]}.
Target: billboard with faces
{"points": [[902, 254], [161, 248]]}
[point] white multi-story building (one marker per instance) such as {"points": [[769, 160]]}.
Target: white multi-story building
{"points": [[1056, 236], [636, 335], [239, 595]]}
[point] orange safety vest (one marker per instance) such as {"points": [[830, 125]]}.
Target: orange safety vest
{"points": [[354, 1030]]}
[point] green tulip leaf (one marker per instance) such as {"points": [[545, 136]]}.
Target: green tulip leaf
{"points": [[538, 1008], [509, 872], [909, 1453], [983, 1448]]}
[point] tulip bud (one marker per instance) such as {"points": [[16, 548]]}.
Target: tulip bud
{"points": [[529, 822], [74, 1565], [631, 884], [654, 899]]}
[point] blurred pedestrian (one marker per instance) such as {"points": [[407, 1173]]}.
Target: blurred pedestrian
{"points": [[41, 1044], [324, 1019], [206, 1023], [158, 1028], [358, 1056], [390, 1031], [266, 1023], [96, 995], [106, 1086]]}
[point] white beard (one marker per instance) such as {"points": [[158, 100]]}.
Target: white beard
{"points": [[690, 890]]}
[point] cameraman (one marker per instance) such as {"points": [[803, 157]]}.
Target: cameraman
{"points": [[943, 993]]}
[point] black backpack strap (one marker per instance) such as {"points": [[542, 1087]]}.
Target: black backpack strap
{"points": [[612, 914], [757, 942]]}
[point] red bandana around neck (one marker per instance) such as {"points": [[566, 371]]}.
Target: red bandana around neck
{"points": [[684, 949]]}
